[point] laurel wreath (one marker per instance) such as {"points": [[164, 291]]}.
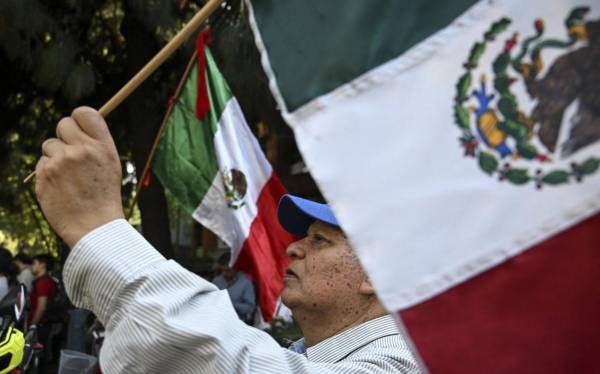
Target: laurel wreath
{"points": [[489, 162]]}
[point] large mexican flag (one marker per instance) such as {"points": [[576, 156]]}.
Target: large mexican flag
{"points": [[211, 163], [458, 144]]}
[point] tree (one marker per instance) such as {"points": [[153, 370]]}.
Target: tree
{"points": [[56, 55]]}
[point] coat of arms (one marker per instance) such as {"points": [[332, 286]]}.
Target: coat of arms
{"points": [[518, 145], [236, 186]]}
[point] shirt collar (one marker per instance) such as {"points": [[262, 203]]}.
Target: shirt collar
{"points": [[298, 346], [337, 347]]}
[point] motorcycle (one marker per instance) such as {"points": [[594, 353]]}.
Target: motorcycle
{"points": [[19, 353]]}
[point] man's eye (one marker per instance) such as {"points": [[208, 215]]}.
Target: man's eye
{"points": [[319, 238]]}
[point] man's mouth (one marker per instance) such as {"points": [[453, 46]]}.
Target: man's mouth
{"points": [[290, 273]]}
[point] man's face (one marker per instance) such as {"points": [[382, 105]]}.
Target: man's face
{"points": [[37, 267], [227, 272], [323, 274], [20, 265]]}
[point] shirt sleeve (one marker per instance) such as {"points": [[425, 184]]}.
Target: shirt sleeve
{"points": [[161, 318]]}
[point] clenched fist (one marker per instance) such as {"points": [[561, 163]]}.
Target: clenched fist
{"points": [[78, 182]]}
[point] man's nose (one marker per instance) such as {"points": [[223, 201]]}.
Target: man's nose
{"points": [[296, 250]]}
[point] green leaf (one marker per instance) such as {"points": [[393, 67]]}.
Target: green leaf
{"points": [[501, 63], [590, 166], [526, 150], [462, 116], [496, 28], [508, 106], [556, 177], [518, 176], [462, 87], [476, 53], [514, 129], [502, 83], [488, 162]]}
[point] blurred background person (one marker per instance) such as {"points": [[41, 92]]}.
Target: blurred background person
{"points": [[40, 298], [6, 271], [240, 288], [43, 288], [25, 275]]}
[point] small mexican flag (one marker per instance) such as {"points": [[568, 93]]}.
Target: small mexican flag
{"points": [[212, 164]]}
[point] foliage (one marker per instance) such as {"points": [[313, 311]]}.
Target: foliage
{"points": [[60, 54], [56, 55]]}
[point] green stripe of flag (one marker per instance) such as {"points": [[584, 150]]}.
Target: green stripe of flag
{"points": [[317, 46], [185, 161]]}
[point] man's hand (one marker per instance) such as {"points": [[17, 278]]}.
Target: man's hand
{"points": [[78, 182]]}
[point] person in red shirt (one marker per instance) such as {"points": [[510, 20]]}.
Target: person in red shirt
{"points": [[40, 298], [43, 289]]}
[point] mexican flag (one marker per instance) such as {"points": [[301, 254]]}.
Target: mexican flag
{"points": [[211, 163], [458, 143]]}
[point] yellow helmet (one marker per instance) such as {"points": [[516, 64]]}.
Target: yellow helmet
{"points": [[12, 344]]}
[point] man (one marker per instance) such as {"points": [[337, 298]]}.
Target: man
{"points": [[239, 287], [40, 298], [23, 263], [161, 318], [43, 289]]}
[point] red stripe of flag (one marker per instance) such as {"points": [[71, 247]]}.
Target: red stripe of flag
{"points": [[263, 256], [539, 312], [202, 99]]}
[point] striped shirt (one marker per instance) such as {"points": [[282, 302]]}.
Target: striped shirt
{"points": [[161, 318]]}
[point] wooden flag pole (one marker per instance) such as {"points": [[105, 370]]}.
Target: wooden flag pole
{"points": [[172, 103], [161, 56], [156, 61]]}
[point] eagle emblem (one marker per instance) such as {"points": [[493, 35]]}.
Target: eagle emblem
{"points": [[526, 118], [236, 186]]}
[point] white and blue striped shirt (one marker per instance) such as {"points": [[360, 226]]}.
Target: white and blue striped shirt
{"points": [[161, 318]]}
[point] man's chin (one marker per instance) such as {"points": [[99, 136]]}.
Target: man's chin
{"points": [[289, 296]]}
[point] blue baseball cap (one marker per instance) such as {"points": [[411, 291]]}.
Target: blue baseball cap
{"points": [[297, 214]]}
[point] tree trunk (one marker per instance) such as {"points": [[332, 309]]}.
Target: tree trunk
{"points": [[144, 111]]}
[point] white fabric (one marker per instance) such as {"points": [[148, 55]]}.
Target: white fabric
{"points": [[3, 286], [236, 148], [26, 277], [161, 318], [385, 153]]}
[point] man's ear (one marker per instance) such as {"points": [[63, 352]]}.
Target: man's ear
{"points": [[365, 287]]}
